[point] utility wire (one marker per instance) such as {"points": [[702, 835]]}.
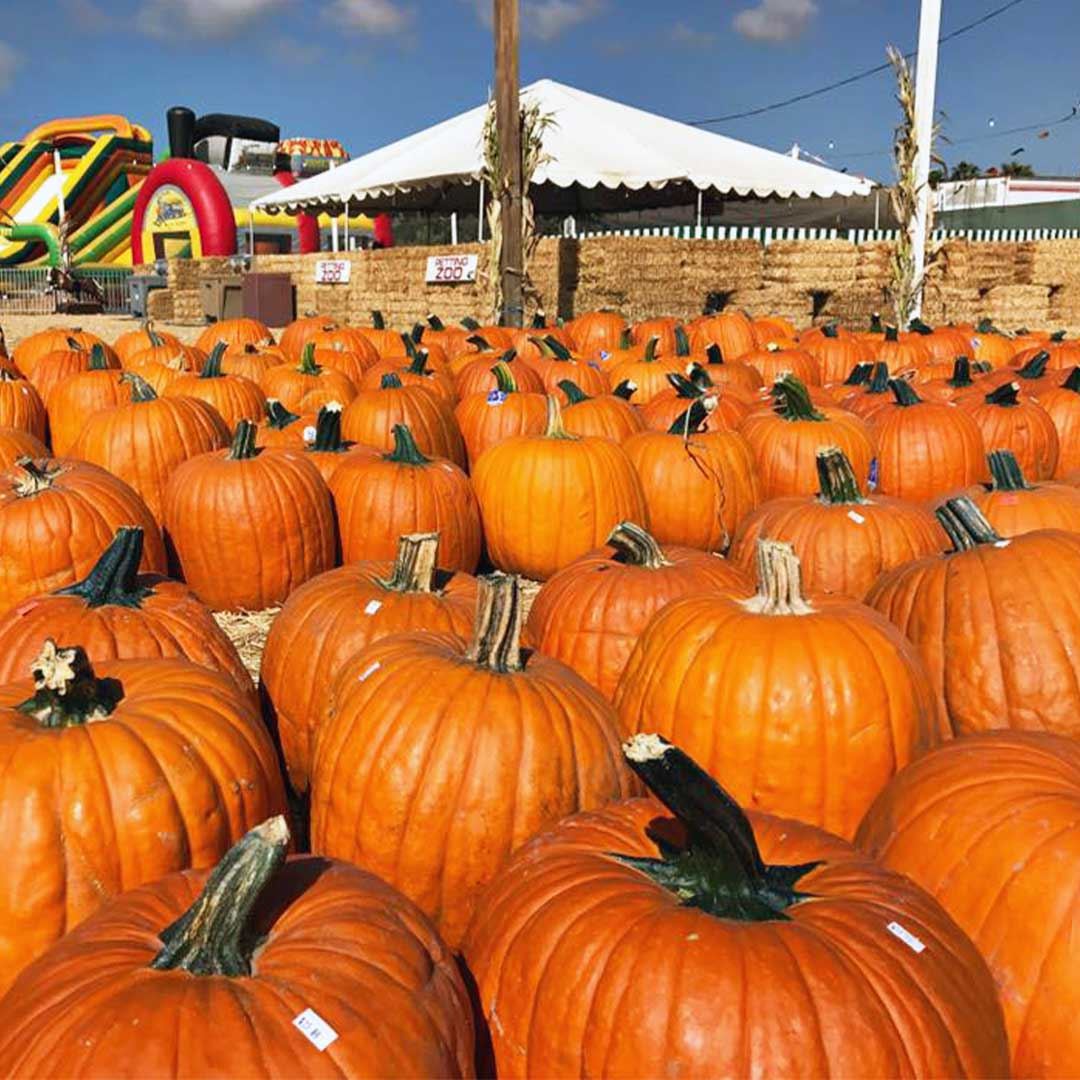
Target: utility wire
{"points": [[857, 77]]}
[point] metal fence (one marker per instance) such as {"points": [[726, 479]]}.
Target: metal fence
{"points": [[769, 234], [26, 291]]}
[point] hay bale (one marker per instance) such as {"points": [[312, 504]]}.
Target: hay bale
{"points": [[159, 305], [248, 630], [1017, 305], [1055, 262]]}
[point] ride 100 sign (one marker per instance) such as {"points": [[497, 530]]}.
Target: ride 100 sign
{"points": [[450, 269]]}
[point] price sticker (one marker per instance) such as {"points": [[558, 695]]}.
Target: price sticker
{"points": [[315, 1029], [906, 936]]}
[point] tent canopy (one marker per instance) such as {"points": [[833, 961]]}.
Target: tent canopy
{"points": [[595, 143]]}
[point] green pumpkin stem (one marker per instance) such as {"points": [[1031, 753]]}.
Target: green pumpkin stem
{"points": [[699, 377], [875, 324], [636, 547], [792, 400], [891, 333], [1072, 382], [417, 333], [153, 337], [1035, 368], [415, 564], [961, 373], [539, 321], [1007, 395], [141, 390], [328, 438], [878, 382], [859, 374], [904, 393], [830, 330], [496, 641], [243, 443], [212, 367], [405, 451], [114, 580], [626, 340], [684, 387], [689, 422], [418, 364], [965, 524], [682, 341], [67, 693], [719, 868], [377, 320], [554, 428], [480, 343], [277, 416], [625, 390], [1057, 337], [307, 365], [558, 350], [390, 381], [504, 378], [985, 327], [1005, 471], [470, 323], [650, 350], [214, 936], [836, 478], [574, 394], [409, 346], [435, 322], [98, 360], [714, 353]]}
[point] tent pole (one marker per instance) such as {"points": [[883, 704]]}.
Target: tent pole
{"points": [[925, 89], [508, 123], [346, 226], [480, 218], [334, 227], [877, 209], [251, 230], [700, 195], [453, 228]]}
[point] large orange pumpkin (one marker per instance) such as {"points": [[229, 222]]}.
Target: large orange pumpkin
{"points": [[1009, 422], [487, 417], [300, 331], [836, 355], [596, 331], [989, 825], [416, 369], [378, 498], [546, 500], [605, 416], [802, 706], [56, 519], [333, 616], [55, 338], [1062, 405], [248, 525], [649, 373], [55, 368], [556, 364], [234, 332], [591, 614], [81, 395], [1024, 672], [306, 387], [145, 440], [843, 538], [1013, 506], [16, 443], [731, 330], [307, 967], [901, 353], [21, 405], [131, 342], [678, 936], [113, 775], [772, 362], [233, 397]]}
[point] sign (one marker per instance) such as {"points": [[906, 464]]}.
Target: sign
{"points": [[450, 269], [332, 272], [170, 225]]}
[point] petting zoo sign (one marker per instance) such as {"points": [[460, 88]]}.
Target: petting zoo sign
{"points": [[332, 272], [450, 269]]}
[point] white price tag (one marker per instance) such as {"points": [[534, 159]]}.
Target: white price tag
{"points": [[1002, 543], [451, 269], [856, 517], [369, 670], [333, 272], [906, 936], [315, 1029], [372, 606], [309, 433]]}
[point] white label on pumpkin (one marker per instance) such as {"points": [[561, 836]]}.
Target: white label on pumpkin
{"points": [[369, 670], [856, 517], [372, 606], [315, 1029], [906, 936], [309, 433], [1002, 543]]}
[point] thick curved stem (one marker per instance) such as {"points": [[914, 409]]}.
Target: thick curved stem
{"points": [[836, 478], [98, 360], [779, 577], [243, 443], [683, 386], [792, 400], [859, 374], [1035, 368], [1007, 395], [904, 393], [141, 390], [574, 394], [496, 642], [405, 451], [277, 416], [212, 367], [505, 382], [307, 365], [690, 421], [554, 428], [1005, 471], [636, 547], [625, 390], [214, 935], [415, 563], [37, 476], [66, 690], [328, 430], [114, 579], [964, 523]]}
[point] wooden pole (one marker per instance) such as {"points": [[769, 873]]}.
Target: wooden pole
{"points": [[508, 121], [925, 88]]}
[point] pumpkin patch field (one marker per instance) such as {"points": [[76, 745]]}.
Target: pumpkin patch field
{"points": [[661, 699]]}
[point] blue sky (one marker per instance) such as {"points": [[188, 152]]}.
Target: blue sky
{"points": [[369, 71]]}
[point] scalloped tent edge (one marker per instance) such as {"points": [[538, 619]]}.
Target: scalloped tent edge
{"points": [[595, 143]]}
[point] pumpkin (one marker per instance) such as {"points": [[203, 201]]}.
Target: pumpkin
{"points": [[234, 332], [55, 338], [126, 770], [529, 342], [116, 613], [378, 335], [233, 397], [604, 416], [871, 395], [1012, 506], [991, 346], [732, 331], [143, 441], [698, 484], [477, 373], [802, 706], [371, 417], [925, 448], [248, 525], [353, 345], [297, 962], [592, 612], [596, 332], [457, 755], [988, 825], [1032, 378], [844, 539], [16, 443], [1024, 674], [727, 412], [662, 330], [771, 327], [250, 361], [132, 342], [281, 428], [1062, 405], [734, 373], [306, 387], [772, 362], [81, 395], [961, 378], [452, 339], [332, 617], [164, 353], [21, 406], [1055, 353], [547, 499], [835, 355], [784, 441], [557, 365], [377, 499], [54, 368], [416, 370], [326, 449], [679, 936], [900, 353], [300, 331], [942, 343], [1007, 422], [649, 373], [487, 417], [56, 518]]}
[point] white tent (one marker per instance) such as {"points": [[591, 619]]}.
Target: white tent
{"points": [[595, 143]]}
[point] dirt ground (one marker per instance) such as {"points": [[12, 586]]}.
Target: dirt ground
{"points": [[109, 327]]}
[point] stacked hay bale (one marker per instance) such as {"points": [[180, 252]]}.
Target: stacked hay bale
{"points": [[182, 276], [802, 277], [1013, 306]]}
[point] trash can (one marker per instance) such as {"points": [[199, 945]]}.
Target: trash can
{"points": [[223, 298], [139, 288], [269, 298]]}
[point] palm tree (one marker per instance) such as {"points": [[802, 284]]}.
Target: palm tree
{"points": [[964, 170], [1015, 168]]}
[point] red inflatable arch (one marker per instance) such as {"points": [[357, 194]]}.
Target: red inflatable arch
{"points": [[307, 225]]}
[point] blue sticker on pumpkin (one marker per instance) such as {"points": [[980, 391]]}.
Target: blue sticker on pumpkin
{"points": [[872, 479], [496, 397]]}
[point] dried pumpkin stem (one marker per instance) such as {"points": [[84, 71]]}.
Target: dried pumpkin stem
{"points": [[496, 643], [719, 869], [779, 577], [904, 393], [961, 373], [637, 547], [36, 476], [114, 579], [1007, 395], [554, 428], [1005, 471], [689, 422], [415, 563], [67, 692], [965, 524], [277, 416], [1035, 368], [214, 936], [836, 478], [141, 390], [859, 374]]}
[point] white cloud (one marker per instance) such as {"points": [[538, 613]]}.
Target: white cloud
{"points": [[687, 36], [545, 20], [10, 62], [209, 19], [775, 21], [370, 16]]}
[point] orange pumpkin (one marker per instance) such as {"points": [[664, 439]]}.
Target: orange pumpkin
{"points": [[416, 370], [477, 374], [34, 346], [843, 538], [250, 361], [81, 395], [300, 331], [132, 342], [604, 416], [900, 353], [803, 706], [16, 444], [487, 417], [233, 397], [991, 346], [988, 825], [541, 743], [733, 373], [21, 405], [1008, 422], [306, 387], [234, 332], [56, 367], [649, 373], [557, 365], [1062, 405], [329, 619], [732, 331], [772, 362], [836, 355], [663, 330], [680, 909], [1013, 506], [728, 410], [546, 500], [596, 332], [164, 352]]}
